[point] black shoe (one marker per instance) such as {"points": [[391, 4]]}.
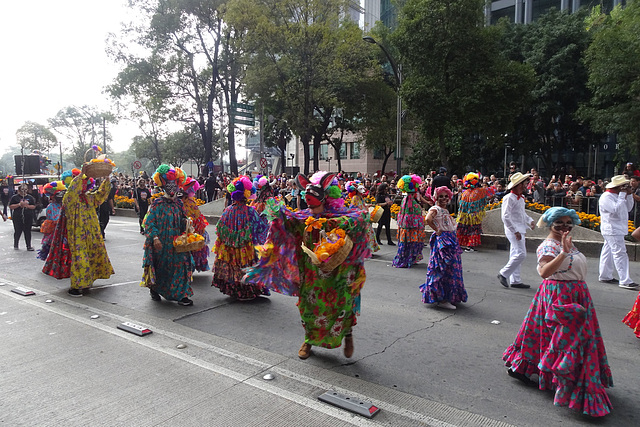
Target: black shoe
{"points": [[522, 377], [520, 286], [611, 281], [154, 295], [379, 242], [185, 301], [391, 244], [16, 247], [75, 292], [30, 249], [503, 280]]}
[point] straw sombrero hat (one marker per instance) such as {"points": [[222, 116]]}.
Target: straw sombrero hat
{"points": [[617, 181], [517, 178]]}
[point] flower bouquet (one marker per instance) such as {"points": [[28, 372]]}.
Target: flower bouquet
{"points": [[376, 213], [98, 167], [189, 240], [331, 251]]}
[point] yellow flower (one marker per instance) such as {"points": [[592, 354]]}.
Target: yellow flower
{"points": [[316, 223]]}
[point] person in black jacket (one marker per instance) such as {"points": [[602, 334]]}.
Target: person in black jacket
{"points": [[441, 180], [23, 206], [383, 200]]}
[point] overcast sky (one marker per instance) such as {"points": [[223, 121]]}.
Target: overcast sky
{"points": [[53, 56]]}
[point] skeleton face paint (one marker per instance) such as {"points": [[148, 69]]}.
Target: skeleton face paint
{"points": [[171, 188]]}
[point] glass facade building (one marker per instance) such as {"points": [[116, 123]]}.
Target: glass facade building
{"points": [[526, 11]]}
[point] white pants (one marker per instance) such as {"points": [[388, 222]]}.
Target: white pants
{"points": [[614, 253], [517, 254]]}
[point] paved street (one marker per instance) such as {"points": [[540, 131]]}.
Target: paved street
{"points": [[421, 365]]}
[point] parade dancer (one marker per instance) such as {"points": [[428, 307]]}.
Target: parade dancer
{"points": [[328, 301], [559, 340], [56, 191], [444, 284], [411, 232], [516, 222], [167, 273], [200, 223], [471, 211], [264, 192], [237, 231], [77, 248], [356, 192]]}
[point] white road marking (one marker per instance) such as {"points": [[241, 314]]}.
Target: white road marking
{"points": [[115, 284]]}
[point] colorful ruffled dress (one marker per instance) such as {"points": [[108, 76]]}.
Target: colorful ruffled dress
{"points": [[201, 263], [372, 242], [560, 339], [54, 209], [81, 247], [632, 319], [444, 274], [328, 302], [259, 205], [471, 212], [166, 271], [411, 233], [237, 232]]}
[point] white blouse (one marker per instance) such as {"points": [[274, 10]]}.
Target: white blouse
{"points": [[443, 219], [574, 266]]}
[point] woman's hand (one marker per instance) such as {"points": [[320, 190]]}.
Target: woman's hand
{"points": [[567, 243], [157, 245]]}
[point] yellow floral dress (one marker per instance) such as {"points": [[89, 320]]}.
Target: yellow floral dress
{"points": [[89, 259]]}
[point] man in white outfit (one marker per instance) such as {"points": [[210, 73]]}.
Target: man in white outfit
{"points": [[615, 205], [516, 222]]}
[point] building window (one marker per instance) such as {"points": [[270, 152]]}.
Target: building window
{"points": [[311, 151], [324, 151], [355, 150], [378, 154], [343, 151]]}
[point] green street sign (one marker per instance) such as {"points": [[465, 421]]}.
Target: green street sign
{"points": [[242, 114], [245, 122], [240, 106]]}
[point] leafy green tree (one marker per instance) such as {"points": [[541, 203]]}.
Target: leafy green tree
{"points": [[613, 62], [147, 148], [305, 55], [455, 82], [184, 146], [176, 77], [554, 46], [34, 136], [82, 127]]}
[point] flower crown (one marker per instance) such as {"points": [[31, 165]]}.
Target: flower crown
{"points": [[166, 173], [471, 180], [409, 183], [260, 181], [67, 177], [241, 188]]}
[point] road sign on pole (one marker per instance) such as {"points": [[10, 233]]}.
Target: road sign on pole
{"points": [[251, 122], [241, 106], [263, 163], [137, 164]]}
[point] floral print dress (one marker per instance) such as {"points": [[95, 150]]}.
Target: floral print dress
{"points": [[237, 232], [560, 340], [411, 233], [471, 214], [358, 203], [54, 209], [200, 223], [166, 271], [87, 255], [632, 319], [328, 302]]}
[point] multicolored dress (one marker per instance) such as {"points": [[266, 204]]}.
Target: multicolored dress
{"points": [[54, 209], [87, 255], [166, 271], [444, 274], [328, 302], [560, 339], [411, 233], [471, 212], [237, 232], [372, 242], [259, 205], [201, 263], [632, 319]]}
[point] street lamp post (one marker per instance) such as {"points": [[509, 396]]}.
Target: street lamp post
{"points": [[397, 71], [329, 163]]}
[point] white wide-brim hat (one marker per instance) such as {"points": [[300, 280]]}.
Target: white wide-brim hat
{"points": [[617, 181], [517, 178]]}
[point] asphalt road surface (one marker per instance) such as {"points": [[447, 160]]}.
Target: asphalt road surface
{"points": [[421, 365]]}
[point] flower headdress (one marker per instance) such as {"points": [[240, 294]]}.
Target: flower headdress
{"points": [[552, 214], [166, 173], [54, 187], [87, 183], [353, 187], [260, 181], [471, 180], [241, 188], [409, 183]]}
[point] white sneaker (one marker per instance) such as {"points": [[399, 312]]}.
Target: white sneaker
{"points": [[447, 305], [629, 286]]}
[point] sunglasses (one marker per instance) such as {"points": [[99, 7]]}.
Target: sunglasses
{"points": [[561, 224]]}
